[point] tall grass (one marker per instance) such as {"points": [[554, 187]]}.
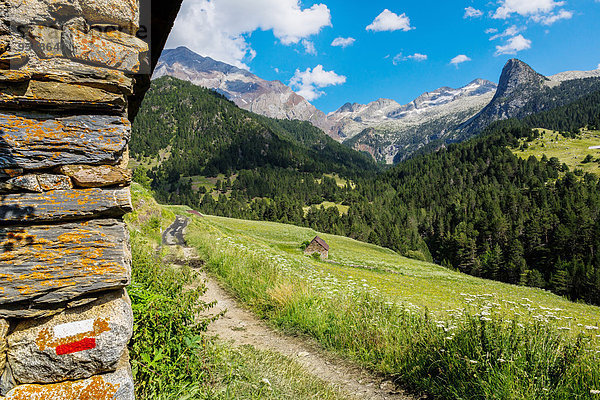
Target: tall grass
{"points": [[473, 355], [172, 357]]}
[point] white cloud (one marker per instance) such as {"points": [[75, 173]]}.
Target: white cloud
{"points": [[541, 11], [220, 28], [418, 57], [471, 12], [514, 45], [526, 7], [510, 31], [551, 18], [309, 47], [388, 21], [459, 59], [343, 42], [491, 30], [307, 83], [598, 64]]}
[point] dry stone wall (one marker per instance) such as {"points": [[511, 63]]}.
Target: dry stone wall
{"points": [[69, 71]]}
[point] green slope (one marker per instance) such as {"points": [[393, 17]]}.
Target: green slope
{"points": [[206, 134], [355, 265], [572, 151]]}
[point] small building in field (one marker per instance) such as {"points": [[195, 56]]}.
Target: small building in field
{"points": [[317, 245]]}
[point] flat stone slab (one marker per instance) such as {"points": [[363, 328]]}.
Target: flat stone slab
{"points": [[64, 205], [96, 176], [41, 94], [124, 13], [113, 50], [75, 344], [44, 267], [117, 385], [43, 142], [71, 72], [39, 183]]}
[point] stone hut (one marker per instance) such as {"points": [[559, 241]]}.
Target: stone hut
{"points": [[318, 245]]}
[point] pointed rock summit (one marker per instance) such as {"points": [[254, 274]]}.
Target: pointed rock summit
{"points": [[517, 74], [522, 91]]}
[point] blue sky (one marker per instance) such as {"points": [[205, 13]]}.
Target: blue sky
{"points": [[389, 48]]}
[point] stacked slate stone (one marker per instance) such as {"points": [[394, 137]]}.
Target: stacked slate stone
{"points": [[67, 71]]}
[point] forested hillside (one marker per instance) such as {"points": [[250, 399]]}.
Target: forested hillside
{"points": [[473, 206], [201, 133]]}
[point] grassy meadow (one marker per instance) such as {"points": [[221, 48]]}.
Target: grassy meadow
{"points": [[434, 330], [342, 209], [569, 151], [358, 266]]}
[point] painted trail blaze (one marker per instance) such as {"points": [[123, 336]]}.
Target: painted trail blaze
{"points": [[75, 347]]}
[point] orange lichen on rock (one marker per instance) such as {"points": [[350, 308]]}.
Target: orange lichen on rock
{"points": [[95, 388]]}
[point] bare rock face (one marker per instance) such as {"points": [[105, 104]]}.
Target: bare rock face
{"points": [[46, 266], [88, 176], [35, 142], [64, 205], [75, 344], [3, 344]]}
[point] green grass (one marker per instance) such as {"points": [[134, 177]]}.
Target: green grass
{"points": [[341, 182], [433, 330], [342, 209], [569, 151], [209, 183], [401, 280], [151, 162], [171, 356]]}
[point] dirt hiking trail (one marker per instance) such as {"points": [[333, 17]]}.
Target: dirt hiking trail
{"points": [[240, 327]]}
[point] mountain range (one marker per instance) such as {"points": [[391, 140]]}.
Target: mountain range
{"points": [[385, 129], [271, 99]]}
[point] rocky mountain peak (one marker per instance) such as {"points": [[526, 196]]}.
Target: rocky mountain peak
{"points": [[250, 92], [517, 73], [190, 60], [349, 107]]}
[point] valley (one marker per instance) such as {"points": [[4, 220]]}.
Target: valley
{"points": [[476, 252], [393, 315]]}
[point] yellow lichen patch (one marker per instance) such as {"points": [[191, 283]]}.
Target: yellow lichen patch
{"points": [[95, 388]]}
